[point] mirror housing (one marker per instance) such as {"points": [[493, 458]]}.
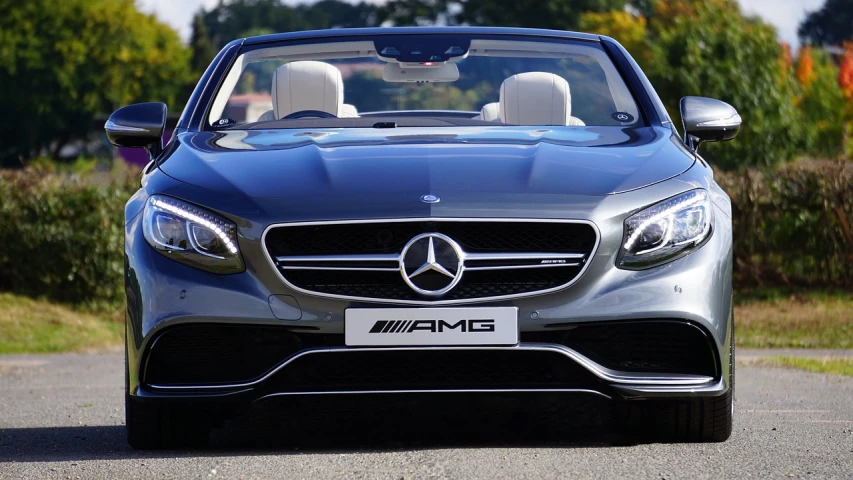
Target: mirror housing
{"points": [[138, 125], [708, 120]]}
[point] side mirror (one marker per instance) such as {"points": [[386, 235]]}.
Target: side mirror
{"points": [[708, 120], [138, 125]]}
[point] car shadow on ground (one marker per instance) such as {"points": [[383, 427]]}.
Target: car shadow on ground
{"points": [[350, 426]]}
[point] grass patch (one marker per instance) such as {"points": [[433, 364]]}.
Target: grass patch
{"points": [[35, 326], [835, 366], [775, 318]]}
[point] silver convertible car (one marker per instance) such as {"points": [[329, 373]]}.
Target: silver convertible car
{"points": [[399, 212]]}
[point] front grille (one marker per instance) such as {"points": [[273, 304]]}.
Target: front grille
{"points": [[662, 346], [389, 285], [431, 370], [390, 237], [362, 260]]}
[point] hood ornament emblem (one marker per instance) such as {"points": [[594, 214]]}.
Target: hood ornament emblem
{"points": [[430, 198], [432, 264]]}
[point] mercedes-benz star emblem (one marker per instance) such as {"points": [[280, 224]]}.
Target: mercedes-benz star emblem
{"points": [[431, 264], [430, 198]]}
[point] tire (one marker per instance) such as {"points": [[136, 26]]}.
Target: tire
{"points": [[155, 427], [699, 419]]}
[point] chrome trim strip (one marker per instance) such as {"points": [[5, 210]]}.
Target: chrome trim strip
{"points": [[113, 127], [642, 391], [517, 267], [612, 376], [341, 258], [524, 256], [484, 390], [430, 219], [341, 269]]}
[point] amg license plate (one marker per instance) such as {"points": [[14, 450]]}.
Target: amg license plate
{"points": [[431, 326]]}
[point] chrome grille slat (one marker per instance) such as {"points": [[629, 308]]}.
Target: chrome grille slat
{"points": [[375, 275], [521, 267], [343, 269], [340, 258]]}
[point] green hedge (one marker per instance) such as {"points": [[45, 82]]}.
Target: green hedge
{"points": [[61, 234], [792, 224]]}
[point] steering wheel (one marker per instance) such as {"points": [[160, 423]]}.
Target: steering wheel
{"points": [[308, 114]]}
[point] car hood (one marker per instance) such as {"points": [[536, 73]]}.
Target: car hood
{"points": [[388, 169]]}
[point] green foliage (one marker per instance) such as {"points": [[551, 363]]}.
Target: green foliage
{"points": [[707, 48], [831, 25], [201, 48], [793, 225], [822, 107], [627, 29], [61, 63], [230, 20], [553, 14], [62, 235]]}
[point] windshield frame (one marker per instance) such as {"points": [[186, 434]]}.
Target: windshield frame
{"points": [[206, 92]]}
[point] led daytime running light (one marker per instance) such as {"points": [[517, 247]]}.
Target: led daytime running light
{"points": [[696, 199], [199, 220]]}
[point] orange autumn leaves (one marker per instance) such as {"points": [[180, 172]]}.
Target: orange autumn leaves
{"points": [[845, 71], [804, 67]]}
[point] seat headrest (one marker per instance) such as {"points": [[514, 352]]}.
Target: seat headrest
{"points": [[307, 85], [490, 112], [348, 111], [535, 98]]}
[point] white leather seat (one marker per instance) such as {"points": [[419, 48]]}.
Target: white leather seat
{"points": [[490, 112], [305, 85], [536, 98]]}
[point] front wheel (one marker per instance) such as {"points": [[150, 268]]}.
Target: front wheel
{"points": [[701, 419], [154, 427]]}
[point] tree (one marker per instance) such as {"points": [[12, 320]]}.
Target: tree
{"points": [[553, 14], [708, 48], [831, 25], [821, 102], [62, 63], [201, 48], [628, 29], [231, 20]]}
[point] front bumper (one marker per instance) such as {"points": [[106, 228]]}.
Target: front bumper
{"points": [[527, 367]]}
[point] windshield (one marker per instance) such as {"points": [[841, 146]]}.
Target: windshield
{"points": [[424, 80]]}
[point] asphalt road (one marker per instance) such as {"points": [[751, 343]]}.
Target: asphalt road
{"points": [[61, 416]]}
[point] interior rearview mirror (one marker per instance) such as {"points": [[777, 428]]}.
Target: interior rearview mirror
{"points": [[398, 72], [708, 120], [138, 125]]}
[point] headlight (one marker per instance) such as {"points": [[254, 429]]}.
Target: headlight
{"points": [[191, 235], [666, 231]]}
